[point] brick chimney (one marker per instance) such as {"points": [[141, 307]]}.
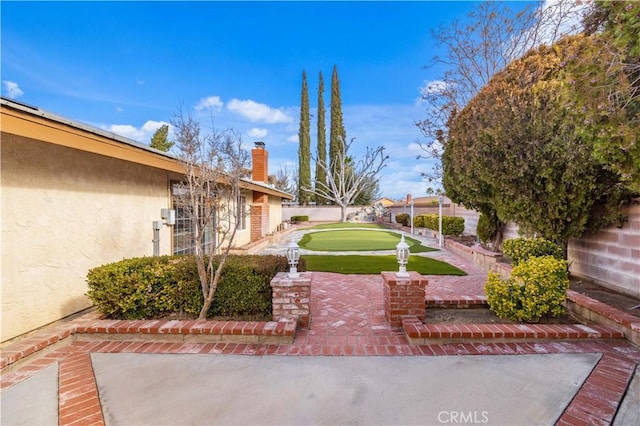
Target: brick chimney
{"points": [[259, 163]]}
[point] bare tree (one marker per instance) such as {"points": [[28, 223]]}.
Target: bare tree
{"points": [[491, 37], [215, 165], [348, 178], [285, 180]]}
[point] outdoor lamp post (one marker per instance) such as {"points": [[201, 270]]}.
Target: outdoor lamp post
{"points": [[293, 255], [411, 216], [440, 199], [402, 254]]}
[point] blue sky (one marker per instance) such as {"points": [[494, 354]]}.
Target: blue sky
{"points": [[128, 66]]}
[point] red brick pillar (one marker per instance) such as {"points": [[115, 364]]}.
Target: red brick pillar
{"points": [[404, 296], [291, 298]]}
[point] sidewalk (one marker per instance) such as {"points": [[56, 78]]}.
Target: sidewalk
{"points": [[349, 367]]}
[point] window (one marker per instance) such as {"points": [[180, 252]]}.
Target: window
{"points": [[241, 215], [184, 229]]}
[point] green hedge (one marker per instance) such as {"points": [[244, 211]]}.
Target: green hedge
{"points": [[537, 287], [450, 225], [301, 218], [403, 218], [521, 249], [153, 287]]}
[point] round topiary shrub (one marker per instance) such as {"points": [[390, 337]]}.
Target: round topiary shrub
{"points": [[521, 249], [537, 287]]}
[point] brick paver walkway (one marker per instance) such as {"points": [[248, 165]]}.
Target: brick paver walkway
{"points": [[347, 318]]}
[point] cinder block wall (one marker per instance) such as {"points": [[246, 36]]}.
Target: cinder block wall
{"points": [[611, 256]]}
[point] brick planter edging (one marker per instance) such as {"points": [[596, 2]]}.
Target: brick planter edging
{"points": [[595, 311], [266, 333], [189, 331], [418, 333]]}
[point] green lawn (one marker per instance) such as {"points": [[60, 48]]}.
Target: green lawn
{"points": [[357, 240], [340, 225], [354, 264]]}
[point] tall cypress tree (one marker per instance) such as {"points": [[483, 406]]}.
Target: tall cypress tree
{"points": [[304, 149], [338, 135], [321, 176]]}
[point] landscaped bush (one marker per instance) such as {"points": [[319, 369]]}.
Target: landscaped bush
{"points": [[450, 225], [537, 287], [521, 249], [154, 287], [403, 218], [300, 218], [486, 228]]}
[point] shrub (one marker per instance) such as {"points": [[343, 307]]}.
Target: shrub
{"points": [[403, 218], [418, 221], [521, 249], [537, 287], [450, 225], [153, 287], [487, 228], [301, 218]]}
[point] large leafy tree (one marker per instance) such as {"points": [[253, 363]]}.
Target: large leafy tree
{"points": [[321, 176], [491, 36], [304, 148], [619, 25], [524, 146], [337, 134], [160, 139]]}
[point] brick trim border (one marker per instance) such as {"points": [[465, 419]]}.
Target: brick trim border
{"points": [[184, 331], [82, 329], [595, 311], [458, 300], [78, 400], [597, 401], [418, 333]]}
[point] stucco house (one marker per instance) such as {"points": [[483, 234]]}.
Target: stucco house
{"points": [[74, 197]]}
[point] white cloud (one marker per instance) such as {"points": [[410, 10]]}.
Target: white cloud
{"points": [[433, 87], [560, 18], [12, 89], [257, 132], [212, 102], [257, 112], [141, 134], [119, 110], [293, 138], [139, 82]]}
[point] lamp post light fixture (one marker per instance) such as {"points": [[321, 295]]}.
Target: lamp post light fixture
{"points": [[440, 200], [293, 255], [402, 254], [411, 216]]}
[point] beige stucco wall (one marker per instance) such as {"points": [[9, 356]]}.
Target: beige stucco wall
{"points": [[65, 211], [275, 213]]}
